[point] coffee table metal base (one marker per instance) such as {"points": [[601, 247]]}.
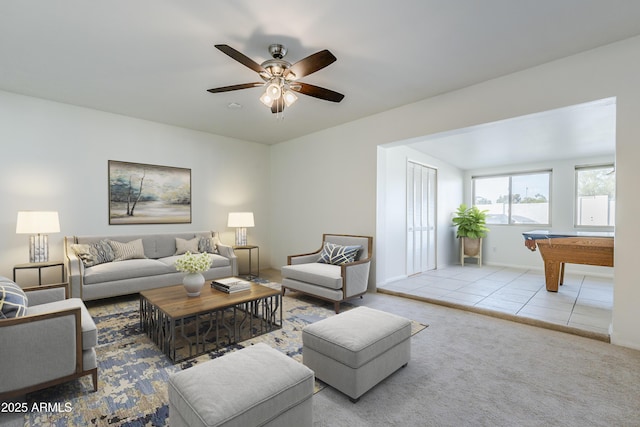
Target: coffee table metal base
{"points": [[203, 332]]}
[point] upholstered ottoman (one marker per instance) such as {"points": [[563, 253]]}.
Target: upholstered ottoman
{"points": [[255, 386], [355, 350]]}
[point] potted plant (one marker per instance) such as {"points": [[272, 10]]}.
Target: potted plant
{"points": [[471, 223]]}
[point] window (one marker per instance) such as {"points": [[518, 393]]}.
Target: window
{"points": [[514, 198], [595, 195]]}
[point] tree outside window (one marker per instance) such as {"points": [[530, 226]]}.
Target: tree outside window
{"points": [[595, 196]]}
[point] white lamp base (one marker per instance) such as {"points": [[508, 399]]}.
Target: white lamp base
{"points": [[39, 248], [241, 236]]}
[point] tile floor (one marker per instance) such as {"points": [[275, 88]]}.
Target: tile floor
{"points": [[583, 302]]}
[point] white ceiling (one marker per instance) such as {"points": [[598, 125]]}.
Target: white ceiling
{"points": [[577, 131], [154, 59]]}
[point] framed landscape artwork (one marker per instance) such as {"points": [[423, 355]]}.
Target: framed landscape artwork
{"points": [[148, 194]]}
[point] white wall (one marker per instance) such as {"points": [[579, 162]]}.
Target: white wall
{"points": [[55, 158], [504, 245], [307, 203], [391, 231], [322, 183]]}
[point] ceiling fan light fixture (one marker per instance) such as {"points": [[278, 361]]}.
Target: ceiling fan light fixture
{"points": [[266, 99], [289, 98], [274, 90]]}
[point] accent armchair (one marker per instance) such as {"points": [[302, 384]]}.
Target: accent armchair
{"points": [[50, 340], [336, 272]]}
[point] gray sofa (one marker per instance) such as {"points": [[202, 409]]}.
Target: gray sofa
{"points": [[154, 269]]}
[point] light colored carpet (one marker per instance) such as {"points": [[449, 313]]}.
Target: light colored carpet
{"points": [[468, 369]]}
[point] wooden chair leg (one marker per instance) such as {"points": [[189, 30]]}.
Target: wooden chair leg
{"points": [[336, 307], [94, 376]]}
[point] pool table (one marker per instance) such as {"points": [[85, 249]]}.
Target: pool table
{"points": [[577, 247]]}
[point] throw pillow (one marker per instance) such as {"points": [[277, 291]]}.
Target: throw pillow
{"points": [[94, 253], [13, 301], [183, 246], [130, 250], [337, 254], [207, 244]]}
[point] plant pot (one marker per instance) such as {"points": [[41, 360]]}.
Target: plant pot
{"points": [[472, 246], [193, 283]]}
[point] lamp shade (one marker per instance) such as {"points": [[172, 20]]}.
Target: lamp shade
{"points": [[240, 219], [289, 97], [37, 222]]}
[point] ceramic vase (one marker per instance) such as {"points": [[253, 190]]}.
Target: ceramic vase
{"points": [[193, 283]]}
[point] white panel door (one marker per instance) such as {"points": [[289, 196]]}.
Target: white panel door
{"points": [[430, 195], [411, 268], [421, 218]]}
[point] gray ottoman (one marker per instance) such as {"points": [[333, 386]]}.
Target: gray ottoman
{"points": [[355, 350], [255, 386]]}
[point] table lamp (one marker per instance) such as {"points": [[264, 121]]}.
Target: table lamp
{"points": [[241, 220], [38, 223]]}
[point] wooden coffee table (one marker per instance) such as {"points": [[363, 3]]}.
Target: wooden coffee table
{"points": [[177, 323]]}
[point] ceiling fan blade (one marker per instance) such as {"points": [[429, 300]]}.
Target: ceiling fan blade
{"points": [[317, 92], [278, 105], [312, 63], [240, 57], [235, 87]]}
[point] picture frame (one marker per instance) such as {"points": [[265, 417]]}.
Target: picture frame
{"points": [[141, 193]]}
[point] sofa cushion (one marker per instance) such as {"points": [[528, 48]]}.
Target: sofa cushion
{"points": [[327, 275], [183, 246], [163, 245], [216, 261], [338, 254], [130, 250], [156, 246], [13, 300], [207, 244], [89, 330], [94, 253], [127, 269]]}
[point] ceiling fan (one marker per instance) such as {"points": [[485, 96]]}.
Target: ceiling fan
{"points": [[281, 77]]}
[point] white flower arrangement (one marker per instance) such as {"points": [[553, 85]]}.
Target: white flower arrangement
{"points": [[193, 263]]}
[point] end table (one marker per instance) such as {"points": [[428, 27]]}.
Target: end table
{"points": [[250, 248], [39, 266]]}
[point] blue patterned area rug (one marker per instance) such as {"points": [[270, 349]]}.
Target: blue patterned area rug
{"points": [[133, 372]]}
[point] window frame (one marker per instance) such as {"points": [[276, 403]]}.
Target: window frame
{"points": [[577, 169], [510, 176]]}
